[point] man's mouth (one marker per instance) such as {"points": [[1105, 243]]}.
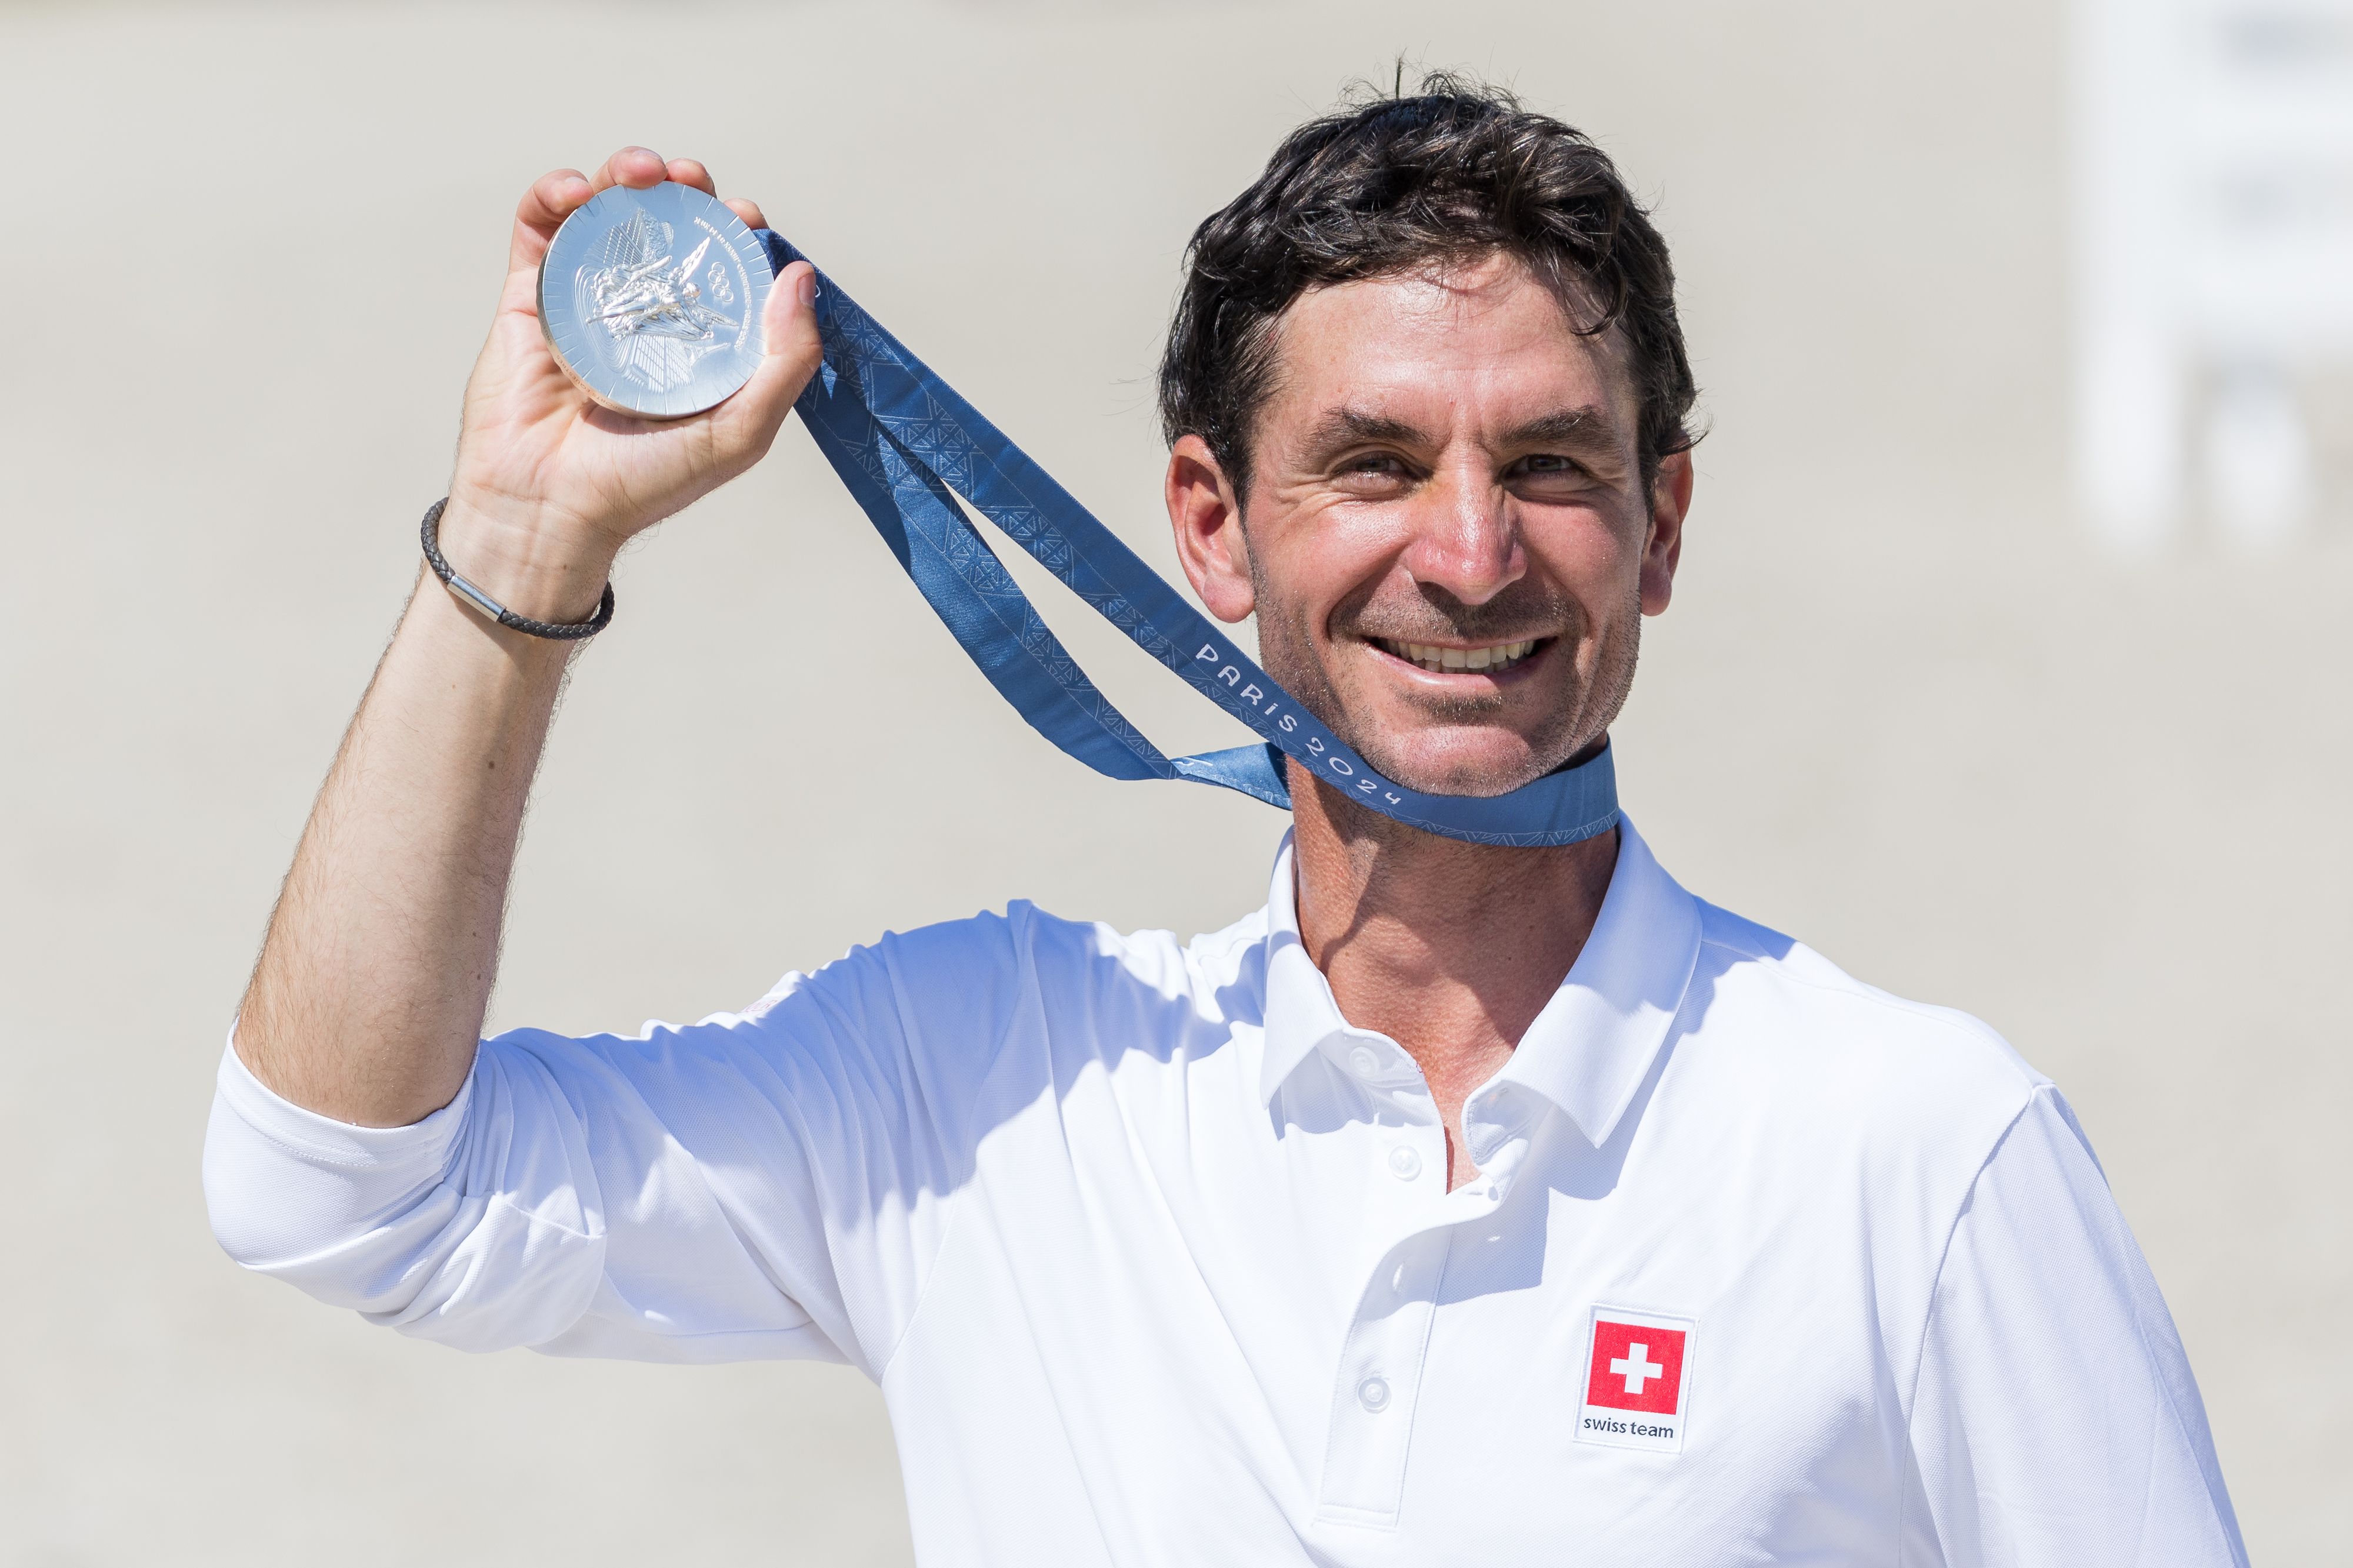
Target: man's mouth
{"points": [[1486, 659]]}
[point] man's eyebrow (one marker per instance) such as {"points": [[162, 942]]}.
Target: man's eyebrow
{"points": [[1345, 426], [1585, 430]]}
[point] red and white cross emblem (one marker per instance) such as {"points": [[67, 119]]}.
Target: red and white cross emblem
{"points": [[1636, 1367]]}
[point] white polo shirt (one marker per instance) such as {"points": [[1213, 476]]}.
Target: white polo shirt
{"points": [[1153, 1255]]}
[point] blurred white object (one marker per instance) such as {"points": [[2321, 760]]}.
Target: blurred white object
{"points": [[2213, 253], [2258, 461]]}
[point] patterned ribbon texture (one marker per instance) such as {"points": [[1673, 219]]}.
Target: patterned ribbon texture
{"points": [[906, 444]]}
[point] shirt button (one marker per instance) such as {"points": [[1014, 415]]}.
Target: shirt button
{"points": [[1373, 1393], [1364, 1062], [1404, 1164]]}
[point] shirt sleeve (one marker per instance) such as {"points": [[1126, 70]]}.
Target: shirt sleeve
{"points": [[2055, 1421], [765, 1184]]}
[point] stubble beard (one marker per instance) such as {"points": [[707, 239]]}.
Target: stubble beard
{"points": [[1588, 708]]}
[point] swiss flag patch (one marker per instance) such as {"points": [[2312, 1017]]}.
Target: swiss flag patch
{"points": [[1635, 1367], [1637, 1377]]}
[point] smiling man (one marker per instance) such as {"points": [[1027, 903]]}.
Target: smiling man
{"points": [[1465, 1202]]}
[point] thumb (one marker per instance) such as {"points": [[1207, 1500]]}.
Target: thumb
{"points": [[793, 351]]}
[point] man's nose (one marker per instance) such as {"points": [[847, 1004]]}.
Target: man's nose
{"points": [[1466, 539]]}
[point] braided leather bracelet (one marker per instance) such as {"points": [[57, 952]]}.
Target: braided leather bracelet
{"points": [[564, 631]]}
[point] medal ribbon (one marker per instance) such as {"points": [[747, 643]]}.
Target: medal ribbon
{"points": [[906, 444]]}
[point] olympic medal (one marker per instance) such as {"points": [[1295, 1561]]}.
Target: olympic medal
{"points": [[652, 300]]}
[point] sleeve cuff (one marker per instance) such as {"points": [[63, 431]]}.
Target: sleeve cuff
{"points": [[325, 1141]]}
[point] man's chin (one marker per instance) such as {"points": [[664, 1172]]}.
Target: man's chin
{"points": [[1472, 752], [1480, 765]]}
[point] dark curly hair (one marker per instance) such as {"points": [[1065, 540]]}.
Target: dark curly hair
{"points": [[1456, 172]]}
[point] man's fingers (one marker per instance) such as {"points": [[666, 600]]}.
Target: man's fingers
{"points": [[748, 210], [691, 172], [794, 351], [551, 198], [635, 167]]}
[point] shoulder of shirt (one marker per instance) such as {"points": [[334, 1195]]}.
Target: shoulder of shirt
{"points": [[1024, 937], [1158, 958], [1937, 1061]]}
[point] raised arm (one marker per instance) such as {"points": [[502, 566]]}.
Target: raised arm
{"points": [[377, 971]]}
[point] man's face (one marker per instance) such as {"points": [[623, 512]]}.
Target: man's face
{"points": [[1447, 544]]}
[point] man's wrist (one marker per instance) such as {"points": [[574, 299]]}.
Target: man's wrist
{"points": [[538, 567]]}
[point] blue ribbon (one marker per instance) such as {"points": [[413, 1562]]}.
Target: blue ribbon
{"points": [[906, 444]]}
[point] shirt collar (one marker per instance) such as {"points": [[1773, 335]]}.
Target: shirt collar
{"points": [[1590, 1048]]}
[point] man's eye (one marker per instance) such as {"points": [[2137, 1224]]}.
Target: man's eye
{"points": [[1545, 463], [1373, 463]]}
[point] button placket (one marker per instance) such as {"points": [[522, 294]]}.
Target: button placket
{"points": [[1379, 1384]]}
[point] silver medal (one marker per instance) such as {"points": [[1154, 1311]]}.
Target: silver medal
{"points": [[652, 300]]}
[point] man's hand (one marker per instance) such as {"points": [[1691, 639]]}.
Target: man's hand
{"points": [[377, 969], [549, 486]]}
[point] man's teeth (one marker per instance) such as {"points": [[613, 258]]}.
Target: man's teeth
{"points": [[1496, 656]]}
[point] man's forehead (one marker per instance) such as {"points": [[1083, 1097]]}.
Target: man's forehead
{"points": [[1489, 331]]}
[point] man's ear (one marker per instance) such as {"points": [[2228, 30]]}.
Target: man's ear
{"points": [[1671, 495], [1208, 518]]}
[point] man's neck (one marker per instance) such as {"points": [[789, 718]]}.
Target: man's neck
{"points": [[1450, 949]]}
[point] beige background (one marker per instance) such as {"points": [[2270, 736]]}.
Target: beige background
{"points": [[1900, 709]]}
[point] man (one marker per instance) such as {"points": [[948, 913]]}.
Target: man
{"points": [[1464, 1203]]}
